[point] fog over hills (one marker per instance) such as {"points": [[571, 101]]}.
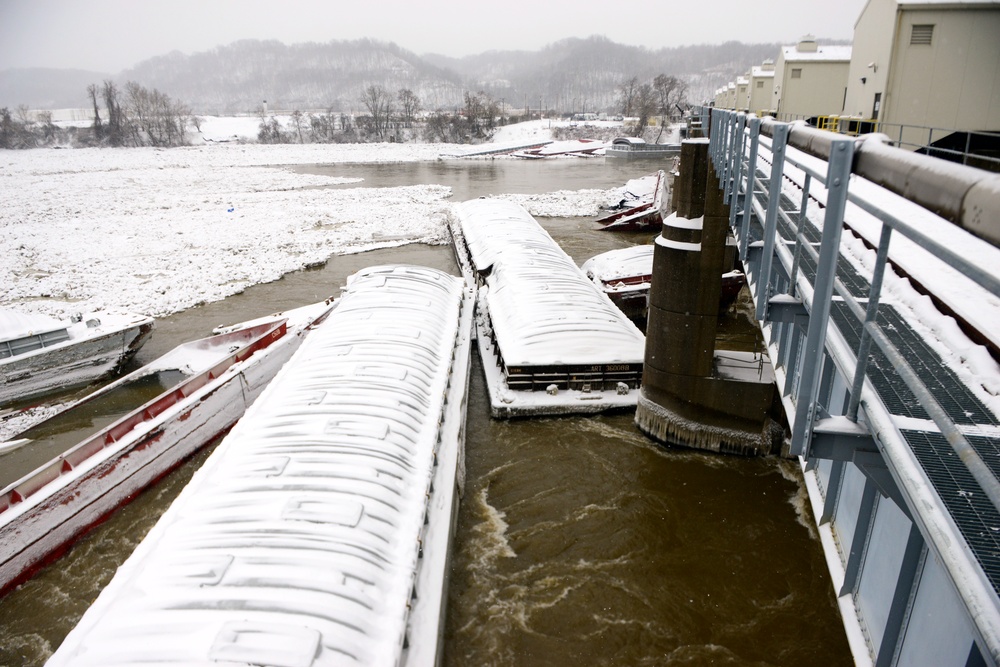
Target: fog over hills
{"points": [[570, 75]]}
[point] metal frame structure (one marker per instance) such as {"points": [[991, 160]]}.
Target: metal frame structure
{"points": [[840, 422]]}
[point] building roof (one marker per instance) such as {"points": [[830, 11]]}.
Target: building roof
{"points": [[823, 53]]}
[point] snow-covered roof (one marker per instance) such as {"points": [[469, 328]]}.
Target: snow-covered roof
{"points": [[544, 310], [14, 324], [299, 540], [822, 53], [621, 263], [628, 140], [759, 72]]}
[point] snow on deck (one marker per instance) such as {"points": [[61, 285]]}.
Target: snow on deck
{"points": [[308, 536], [544, 310], [621, 263], [547, 325]]}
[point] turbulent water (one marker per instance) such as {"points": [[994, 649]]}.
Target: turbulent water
{"points": [[580, 541]]}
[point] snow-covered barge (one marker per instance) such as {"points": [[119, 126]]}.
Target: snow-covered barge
{"points": [[318, 532], [143, 425], [642, 207], [552, 342], [626, 274]]}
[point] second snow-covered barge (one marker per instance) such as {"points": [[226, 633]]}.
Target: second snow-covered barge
{"points": [[318, 532], [551, 341]]}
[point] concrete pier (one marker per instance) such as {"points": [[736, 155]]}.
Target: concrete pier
{"points": [[692, 394]]}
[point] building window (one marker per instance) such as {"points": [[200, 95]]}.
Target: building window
{"points": [[760, 84], [921, 34], [796, 72]]}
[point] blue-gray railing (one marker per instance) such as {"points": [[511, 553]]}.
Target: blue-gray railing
{"points": [[734, 146], [739, 144]]}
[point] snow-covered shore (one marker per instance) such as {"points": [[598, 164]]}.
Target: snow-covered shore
{"points": [[157, 231]]}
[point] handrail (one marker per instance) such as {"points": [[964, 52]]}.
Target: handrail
{"points": [[963, 195], [966, 196]]}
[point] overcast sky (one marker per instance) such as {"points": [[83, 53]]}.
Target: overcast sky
{"points": [[111, 35]]}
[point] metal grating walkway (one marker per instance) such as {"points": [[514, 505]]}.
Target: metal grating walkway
{"points": [[970, 508], [947, 388], [972, 511]]}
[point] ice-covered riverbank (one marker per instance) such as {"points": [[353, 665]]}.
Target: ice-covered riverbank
{"points": [[160, 230]]}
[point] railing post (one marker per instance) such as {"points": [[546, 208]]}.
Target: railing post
{"points": [[733, 192], [864, 349], [751, 185], [727, 174], [720, 141], [713, 141], [778, 142], [837, 179], [796, 258]]}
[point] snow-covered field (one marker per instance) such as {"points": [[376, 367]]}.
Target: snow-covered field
{"points": [[157, 231]]}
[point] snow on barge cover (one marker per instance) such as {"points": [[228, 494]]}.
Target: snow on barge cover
{"points": [[551, 341], [318, 533]]}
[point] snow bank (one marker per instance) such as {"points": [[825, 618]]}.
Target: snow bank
{"points": [[157, 231]]}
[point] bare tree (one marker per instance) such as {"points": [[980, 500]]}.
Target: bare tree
{"points": [[645, 107], [116, 120], [297, 121], [48, 127], [669, 91], [627, 92], [269, 130], [481, 113], [379, 104], [152, 118], [92, 91], [409, 104]]}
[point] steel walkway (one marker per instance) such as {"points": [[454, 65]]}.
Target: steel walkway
{"points": [[892, 412]]}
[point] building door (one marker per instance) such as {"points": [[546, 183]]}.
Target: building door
{"points": [[876, 106]]}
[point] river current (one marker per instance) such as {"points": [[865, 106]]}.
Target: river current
{"points": [[580, 540]]}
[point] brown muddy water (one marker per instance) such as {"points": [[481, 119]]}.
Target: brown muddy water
{"points": [[580, 541]]}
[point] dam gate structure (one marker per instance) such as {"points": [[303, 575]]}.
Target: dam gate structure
{"points": [[875, 275]]}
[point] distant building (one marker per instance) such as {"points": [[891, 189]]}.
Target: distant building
{"points": [[928, 64], [742, 93], [810, 80], [761, 88], [720, 97]]}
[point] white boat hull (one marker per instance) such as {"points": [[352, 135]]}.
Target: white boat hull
{"points": [[71, 364]]}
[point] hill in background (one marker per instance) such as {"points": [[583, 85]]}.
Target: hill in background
{"points": [[570, 75]]}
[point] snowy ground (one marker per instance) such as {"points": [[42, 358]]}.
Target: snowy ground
{"points": [[188, 225]]}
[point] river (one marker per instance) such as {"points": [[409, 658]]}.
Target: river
{"points": [[580, 541]]}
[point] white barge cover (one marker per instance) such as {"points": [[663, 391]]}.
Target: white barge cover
{"points": [[318, 532], [549, 326]]}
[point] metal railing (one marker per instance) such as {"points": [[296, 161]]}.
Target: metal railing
{"points": [[730, 142], [739, 144], [979, 149]]}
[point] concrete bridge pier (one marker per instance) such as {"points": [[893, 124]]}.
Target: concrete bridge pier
{"points": [[692, 394]]}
